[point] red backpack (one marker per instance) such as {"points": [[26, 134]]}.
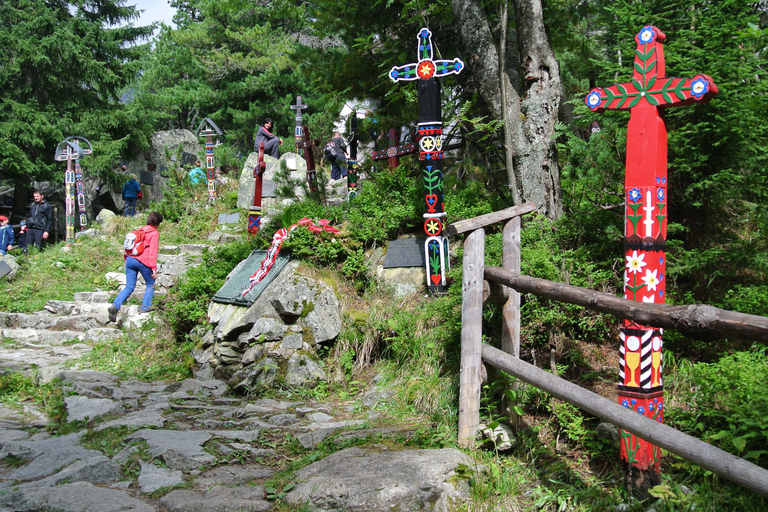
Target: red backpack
{"points": [[134, 243]]}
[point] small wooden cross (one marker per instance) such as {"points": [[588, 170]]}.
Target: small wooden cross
{"points": [[298, 107], [430, 132], [645, 232], [394, 151]]}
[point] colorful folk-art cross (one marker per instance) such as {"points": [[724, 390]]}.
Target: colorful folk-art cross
{"points": [[646, 212], [298, 107], [352, 166], [70, 150], [254, 214], [430, 136], [394, 151], [208, 129]]}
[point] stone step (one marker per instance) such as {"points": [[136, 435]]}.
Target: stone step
{"points": [[99, 296], [46, 321]]}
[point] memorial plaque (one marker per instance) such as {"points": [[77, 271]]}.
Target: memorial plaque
{"points": [[5, 269], [231, 292], [268, 188], [147, 178], [229, 218], [405, 252]]}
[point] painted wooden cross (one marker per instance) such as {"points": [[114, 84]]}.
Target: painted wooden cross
{"points": [[304, 142], [430, 134], [646, 212], [394, 151], [298, 107], [70, 150], [254, 213], [208, 129], [352, 166]]}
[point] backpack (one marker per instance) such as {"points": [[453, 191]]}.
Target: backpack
{"points": [[134, 243], [329, 151]]}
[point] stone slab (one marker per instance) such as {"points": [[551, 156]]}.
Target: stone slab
{"points": [[405, 253]]}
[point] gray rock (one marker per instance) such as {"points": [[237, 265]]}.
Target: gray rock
{"points": [[500, 438], [255, 377], [284, 419], [267, 329], [293, 342], [220, 238], [229, 218], [231, 474], [107, 221], [143, 418], [153, 478], [49, 462], [74, 497], [178, 449], [96, 470], [88, 233], [249, 436], [218, 499], [303, 371], [372, 480], [318, 417], [377, 395], [608, 431], [83, 408]]}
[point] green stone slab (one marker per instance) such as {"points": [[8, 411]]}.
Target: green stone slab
{"points": [[232, 289]]}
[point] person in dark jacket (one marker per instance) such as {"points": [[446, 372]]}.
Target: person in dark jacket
{"points": [[40, 221], [271, 142], [131, 191], [339, 161]]}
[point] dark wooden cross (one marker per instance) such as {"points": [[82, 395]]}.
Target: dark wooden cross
{"points": [[298, 107], [254, 213], [646, 212], [209, 130], [70, 150], [352, 166], [430, 133], [394, 151]]}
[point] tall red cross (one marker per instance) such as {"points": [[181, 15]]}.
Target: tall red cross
{"points": [[645, 186], [254, 213], [394, 151]]}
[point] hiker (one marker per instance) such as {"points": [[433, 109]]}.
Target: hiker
{"points": [[145, 263], [131, 192], [6, 235], [196, 174], [271, 142], [40, 221], [21, 243], [338, 157]]}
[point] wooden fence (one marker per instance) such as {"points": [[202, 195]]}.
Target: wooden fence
{"points": [[505, 285]]}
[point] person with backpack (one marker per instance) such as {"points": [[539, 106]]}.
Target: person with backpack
{"points": [[131, 194], [335, 151], [140, 258]]}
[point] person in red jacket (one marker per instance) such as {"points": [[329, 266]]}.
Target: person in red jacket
{"points": [[145, 263]]}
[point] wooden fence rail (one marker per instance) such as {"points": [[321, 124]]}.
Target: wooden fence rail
{"points": [[696, 320]]}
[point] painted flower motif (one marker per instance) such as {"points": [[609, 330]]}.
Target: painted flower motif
{"points": [[641, 409], [699, 87], [635, 262], [661, 293], [424, 33], [650, 406], [393, 74], [635, 195], [660, 194], [650, 279], [594, 99], [634, 401], [625, 403], [647, 35], [650, 299], [459, 66]]}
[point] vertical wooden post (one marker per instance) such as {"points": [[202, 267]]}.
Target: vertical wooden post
{"points": [[471, 337], [510, 329]]}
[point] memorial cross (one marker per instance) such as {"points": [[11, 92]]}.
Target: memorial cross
{"points": [[646, 211], [208, 129], [430, 133], [352, 160], [298, 107], [254, 214], [69, 150], [394, 151]]}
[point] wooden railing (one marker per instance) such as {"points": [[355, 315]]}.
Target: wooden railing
{"points": [[505, 285]]}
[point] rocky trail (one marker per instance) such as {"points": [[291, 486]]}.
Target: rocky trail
{"points": [[194, 445]]}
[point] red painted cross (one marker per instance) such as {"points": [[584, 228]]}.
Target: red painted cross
{"points": [[394, 151], [254, 214], [645, 186]]}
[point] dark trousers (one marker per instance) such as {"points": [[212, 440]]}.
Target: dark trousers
{"points": [[339, 167], [271, 148], [36, 237]]}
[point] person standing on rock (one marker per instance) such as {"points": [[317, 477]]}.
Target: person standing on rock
{"points": [[40, 221], [131, 192], [271, 142], [144, 264]]}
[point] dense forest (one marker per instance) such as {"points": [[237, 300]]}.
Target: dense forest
{"points": [[520, 128]]}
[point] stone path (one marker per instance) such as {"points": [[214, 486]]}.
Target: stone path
{"points": [[193, 446]]}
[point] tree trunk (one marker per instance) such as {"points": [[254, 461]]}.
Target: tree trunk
{"points": [[529, 119]]}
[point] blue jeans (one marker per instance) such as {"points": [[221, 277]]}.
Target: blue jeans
{"points": [[339, 167], [130, 206], [132, 269]]}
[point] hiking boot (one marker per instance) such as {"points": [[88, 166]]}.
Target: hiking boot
{"points": [[112, 313], [145, 311]]}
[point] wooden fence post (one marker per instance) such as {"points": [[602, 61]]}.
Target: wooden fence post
{"points": [[471, 337], [510, 329]]}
